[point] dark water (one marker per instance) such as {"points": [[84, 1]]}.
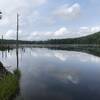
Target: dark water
{"points": [[55, 74]]}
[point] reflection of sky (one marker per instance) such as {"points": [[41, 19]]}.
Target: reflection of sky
{"points": [[9, 58], [65, 55], [54, 59], [43, 68]]}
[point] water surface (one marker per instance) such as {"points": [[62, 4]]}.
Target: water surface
{"points": [[55, 74]]}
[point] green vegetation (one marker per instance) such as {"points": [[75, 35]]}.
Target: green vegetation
{"points": [[11, 42], [9, 85], [17, 73]]}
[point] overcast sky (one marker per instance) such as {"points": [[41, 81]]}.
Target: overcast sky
{"points": [[46, 19]]}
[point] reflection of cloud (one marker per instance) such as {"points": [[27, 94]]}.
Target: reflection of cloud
{"points": [[74, 79], [61, 56], [54, 57], [89, 58], [83, 60], [65, 55], [34, 54], [66, 76], [95, 59]]}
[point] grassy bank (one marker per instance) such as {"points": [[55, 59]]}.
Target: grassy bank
{"points": [[9, 85]]}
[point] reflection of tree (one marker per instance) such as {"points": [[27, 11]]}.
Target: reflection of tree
{"points": [[94, 50]]}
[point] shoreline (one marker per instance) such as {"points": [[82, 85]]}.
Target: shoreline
{"points": [[9, 83]]}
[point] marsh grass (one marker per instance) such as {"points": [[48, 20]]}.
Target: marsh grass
{"points": [[9, 85]]}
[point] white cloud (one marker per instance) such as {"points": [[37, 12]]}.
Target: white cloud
{"points": [[68, 12], [62, 32], [11, 34], [26, 9], [88, 30], [95, 29]]}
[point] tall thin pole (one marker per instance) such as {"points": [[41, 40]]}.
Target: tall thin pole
{"points": [[17, 46], [2, 42], [17, 31], [0, 19]]}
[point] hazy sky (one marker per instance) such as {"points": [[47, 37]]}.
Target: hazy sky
{"points": [[46, 19]]}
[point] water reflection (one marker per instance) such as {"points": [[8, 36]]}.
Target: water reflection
{"points": [[17, 58], [56, 74], [94, 50]]}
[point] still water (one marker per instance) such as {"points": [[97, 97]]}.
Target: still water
{"points": [[55, 74]]}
